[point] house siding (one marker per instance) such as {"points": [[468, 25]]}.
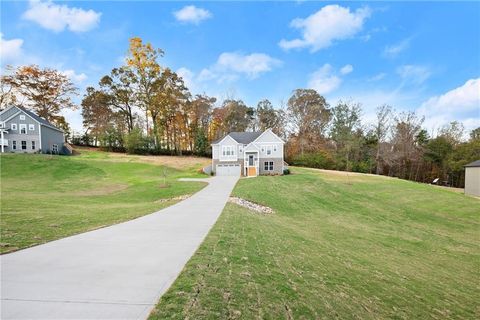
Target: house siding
{"points": [[472, 181], [50, 137], [277, 166], [15, 135]]}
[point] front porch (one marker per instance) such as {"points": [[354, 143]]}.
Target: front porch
{"points": [[251, 161]]}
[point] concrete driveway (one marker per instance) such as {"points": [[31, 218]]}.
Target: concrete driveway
{"points": [[118, 272]]}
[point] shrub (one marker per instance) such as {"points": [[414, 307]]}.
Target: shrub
{"points": [[286, 171]]}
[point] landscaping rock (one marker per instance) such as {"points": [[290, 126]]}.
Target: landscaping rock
{"points": [[251, 205]]}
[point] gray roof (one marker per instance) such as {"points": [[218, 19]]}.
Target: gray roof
{"points": [[39, 119], [473, 164], [242, 137]]}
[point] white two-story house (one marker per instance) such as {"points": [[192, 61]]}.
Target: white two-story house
{"points": [[248, 154]]}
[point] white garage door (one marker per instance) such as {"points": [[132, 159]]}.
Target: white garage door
{"points": [[228, 169]]}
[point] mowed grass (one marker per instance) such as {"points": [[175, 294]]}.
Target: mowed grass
{"points": [[44, 198], [338, 247]]}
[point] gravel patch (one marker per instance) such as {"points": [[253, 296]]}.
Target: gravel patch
{"points": [[251, 205]]}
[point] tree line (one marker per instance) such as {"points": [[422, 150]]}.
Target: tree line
{"points": [[145, 108]]}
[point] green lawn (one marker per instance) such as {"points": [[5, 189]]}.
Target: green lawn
{"points": [[49, 197], [366, 247]]}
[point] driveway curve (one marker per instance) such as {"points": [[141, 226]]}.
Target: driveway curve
{"points": [[117, 272]]}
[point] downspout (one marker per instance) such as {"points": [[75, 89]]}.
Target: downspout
{"points": [[3, 142]]}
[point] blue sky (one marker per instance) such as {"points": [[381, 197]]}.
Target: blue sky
{"points": [[421, 56]]}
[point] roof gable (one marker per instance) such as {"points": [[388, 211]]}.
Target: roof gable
{"points": [[30, 114], [240, 137], [270, 136]]}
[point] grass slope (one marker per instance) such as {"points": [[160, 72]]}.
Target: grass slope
{"points": [[337, 247], [49, 197]]}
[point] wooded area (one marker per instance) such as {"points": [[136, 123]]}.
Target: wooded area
{"points": [[143, 107]]}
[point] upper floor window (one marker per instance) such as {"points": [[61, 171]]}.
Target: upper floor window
{"points": [[275, 148], [228, 151], [23, 128], [22, 117], [269, 150], [31, 127], [13, 126]]}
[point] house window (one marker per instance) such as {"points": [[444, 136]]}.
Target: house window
{"points": [[268, 165], [274, 148], [23, 128], [22, 117], [54, 148], [269, 150], [240, 149], [24, 145], [33, 145], [14, 145], [228, 151], [13, 126], [31, 127]]}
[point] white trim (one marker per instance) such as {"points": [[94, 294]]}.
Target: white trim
{"points": [[14, 124], [40, 135], [31, 125], [22, 117], [22, 125]]}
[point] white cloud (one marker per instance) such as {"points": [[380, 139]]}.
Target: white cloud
{"points": [[321, 29], [57, 18], [74, 77], [395, 49], [252, 65], [413, 74], [187, 75], [230, 65], [10, 50], [346, 69], [378, 76], [324, 80], [461, 103], [192, 14]]}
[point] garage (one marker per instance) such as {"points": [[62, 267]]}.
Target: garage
{"points": [[228, 170]]}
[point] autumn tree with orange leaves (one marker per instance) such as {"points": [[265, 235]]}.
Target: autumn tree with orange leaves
{"points": [[45, 91]]}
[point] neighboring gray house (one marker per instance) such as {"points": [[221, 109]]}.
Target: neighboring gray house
{"points": [[22, 131], [248, 154], [472, 178]]}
